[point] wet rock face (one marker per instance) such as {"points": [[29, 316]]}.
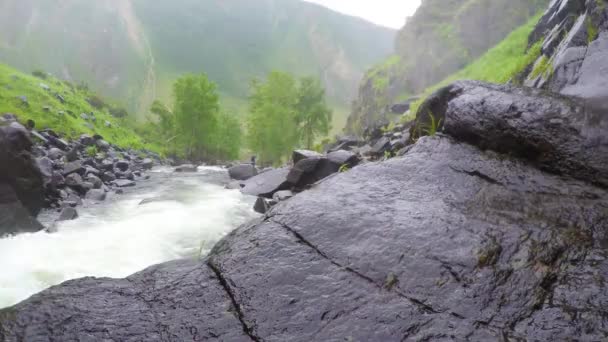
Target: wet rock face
{"points": [[574, 34], [21, 182], [556, 133], [445, 242]]}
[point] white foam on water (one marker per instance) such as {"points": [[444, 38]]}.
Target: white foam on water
{"points": [[123, 237]]}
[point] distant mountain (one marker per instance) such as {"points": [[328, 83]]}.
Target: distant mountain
{"points": [[132, 50]]}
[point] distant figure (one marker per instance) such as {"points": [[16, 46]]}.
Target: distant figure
{"points": [[253, 160]]}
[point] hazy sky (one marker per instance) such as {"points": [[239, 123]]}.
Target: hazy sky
{"points": [[391, 13]]}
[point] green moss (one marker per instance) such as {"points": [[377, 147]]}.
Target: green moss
{"points": [[592, 31], [500, 64], [542, 67]]}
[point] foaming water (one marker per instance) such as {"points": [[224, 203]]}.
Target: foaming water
{"points": [[185, 216]]}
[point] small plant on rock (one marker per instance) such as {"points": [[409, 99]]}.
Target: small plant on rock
{"points": [[91, 151], [344, 168], [433, 127]]}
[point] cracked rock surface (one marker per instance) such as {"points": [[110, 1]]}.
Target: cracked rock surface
{"points": [[451, 242]]}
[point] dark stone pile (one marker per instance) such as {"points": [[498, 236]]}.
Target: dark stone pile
{"points": [[54, 173], [276, 185]]}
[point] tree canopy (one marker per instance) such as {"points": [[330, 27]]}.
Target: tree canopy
{"points": [[285, 113]]}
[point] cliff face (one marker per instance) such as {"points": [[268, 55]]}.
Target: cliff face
{"points": [[574, 55], [440, 39]]}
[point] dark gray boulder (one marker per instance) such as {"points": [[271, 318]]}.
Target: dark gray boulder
{"points": [[382, 145], [55, 153], [298, 155], [282, 195], [21, 180], [108, 177], [267, 183], [262, 205], [123, 183], [147, 163], [87, 140], [14, 217], [186, 168], [312, 170], [73, 167], [96, 195], [242, 172], [122, 165], [342, 157], [97, 183], [188, 295], [68, 214], [555, 133]]}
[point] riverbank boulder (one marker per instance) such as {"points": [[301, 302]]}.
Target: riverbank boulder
{"points": [[22, 184], [457, 240], [242, 172]]}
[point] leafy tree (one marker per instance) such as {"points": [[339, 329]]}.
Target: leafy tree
{"points": [[271, 124], [285, 113], [165, 119], [227, 138], [196, 106], [313, 114]]}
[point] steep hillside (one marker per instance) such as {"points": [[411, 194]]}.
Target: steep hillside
{"points": [[133, 50], [440, 39], [64, 107]]}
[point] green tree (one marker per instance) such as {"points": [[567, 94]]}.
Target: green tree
{"points": [[271, 125], [227, 137], [165, 119], [313, 114], [195, 108]]}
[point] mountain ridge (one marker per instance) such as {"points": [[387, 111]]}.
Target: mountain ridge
{"points": [[134, 50]]}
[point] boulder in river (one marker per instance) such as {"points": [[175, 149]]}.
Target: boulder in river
{"points": [[298, 155], [21, 181], [68, 214], [186, 168], [96, 195], [267, 183], [123, 183], [242, 172]]}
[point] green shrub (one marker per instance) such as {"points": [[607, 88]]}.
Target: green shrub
{"points": [[96, 102], [118, 112], [91, 151], [40, 74]]}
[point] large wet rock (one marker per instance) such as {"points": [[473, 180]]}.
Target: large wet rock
{"points": [[22, 185], [267, 183], [242, 172], [556, 133], [457, 240]]}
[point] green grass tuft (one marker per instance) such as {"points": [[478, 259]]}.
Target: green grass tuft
{"points": [[592, 31]]}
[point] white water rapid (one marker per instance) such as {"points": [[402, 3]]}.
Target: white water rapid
{"points": [[187, 215]]}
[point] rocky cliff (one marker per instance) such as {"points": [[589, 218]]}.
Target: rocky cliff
{"points": [[440, 39], [574, 55]]}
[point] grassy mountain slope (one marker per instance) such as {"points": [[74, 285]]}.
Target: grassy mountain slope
{"points": [[499, 65], [48, 111], [132, 50], [442, 37]]}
